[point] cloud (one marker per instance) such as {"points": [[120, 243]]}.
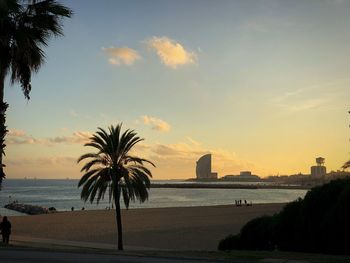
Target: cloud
{"points": [[78, 137], [45, 161], [15, 136], [72, 113], [182, 157], [15, 132], [156, 124], [121, 55], [323, 96], [194, 142], [20, 137], [266, 24], [307, 105], [170, 52]]}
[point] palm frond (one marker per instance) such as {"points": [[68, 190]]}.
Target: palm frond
{"points": [[97, 182], [88, 155], [98, 161], [140, 169], [137, 160], [346, 165], [86, 190], [94, 145], [86, 176]]}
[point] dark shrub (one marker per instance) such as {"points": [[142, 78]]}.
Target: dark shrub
{"points": [[229, 243], [318, 223], [323, 209], [258, 234], [287, 230]]}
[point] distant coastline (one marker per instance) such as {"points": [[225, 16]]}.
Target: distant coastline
{"points": [[228, 186]]}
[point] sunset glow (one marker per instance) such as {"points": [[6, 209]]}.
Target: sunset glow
{"points": [[261, 85]]}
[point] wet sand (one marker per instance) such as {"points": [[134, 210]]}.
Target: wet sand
{"points": [[186, 228]]}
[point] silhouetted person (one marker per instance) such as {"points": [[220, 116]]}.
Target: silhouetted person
{"points": [[72, 208], [5, 227], [245, 202]]}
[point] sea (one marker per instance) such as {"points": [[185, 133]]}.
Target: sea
{"points": [[65, 194]]}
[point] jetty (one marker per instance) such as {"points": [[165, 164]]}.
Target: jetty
{"points": [[29, 209]]}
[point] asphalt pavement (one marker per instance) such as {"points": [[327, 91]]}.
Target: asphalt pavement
{"points": [[24, 256]]}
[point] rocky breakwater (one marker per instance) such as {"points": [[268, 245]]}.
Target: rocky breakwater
{"points": [[29, 209]]}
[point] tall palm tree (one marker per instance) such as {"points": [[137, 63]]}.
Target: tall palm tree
{"points": [[112, 168], [24, 30]]}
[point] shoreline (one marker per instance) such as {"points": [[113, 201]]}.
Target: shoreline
{"points": [[180, 228], [21, 214]]}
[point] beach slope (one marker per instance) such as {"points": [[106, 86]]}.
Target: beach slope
{"points": [[185, 228]]}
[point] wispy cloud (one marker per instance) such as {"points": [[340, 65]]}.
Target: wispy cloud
{"points": [[20, 137], [44, 161], [171, 53], [307, 105], [73, 113], [121, 55], [266, 24], [318, 96], [156, 124], [193, 141]]}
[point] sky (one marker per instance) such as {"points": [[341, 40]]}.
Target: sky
{"points": [[262, 85]]}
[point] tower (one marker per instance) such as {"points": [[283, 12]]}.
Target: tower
{"points": [[319, 169]]}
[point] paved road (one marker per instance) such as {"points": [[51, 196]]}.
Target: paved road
{"points": [[19, 256]]}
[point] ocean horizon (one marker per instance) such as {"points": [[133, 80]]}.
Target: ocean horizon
{"points": [[63, 194]]}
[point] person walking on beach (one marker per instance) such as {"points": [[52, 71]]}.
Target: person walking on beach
{"points": [[5, 228]]}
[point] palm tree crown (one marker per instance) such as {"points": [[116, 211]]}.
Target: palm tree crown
{"points": [[113, 168], [24, 30]]}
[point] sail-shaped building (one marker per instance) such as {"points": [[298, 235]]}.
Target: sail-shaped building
{"points": [[203, 168]]}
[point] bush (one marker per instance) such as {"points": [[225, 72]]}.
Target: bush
{"points": [[288, 226], [229, 243], [318, 223], [258, 234], [255, 235]]}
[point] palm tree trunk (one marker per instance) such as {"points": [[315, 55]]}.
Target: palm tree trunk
{"points": [[118, 216], [3, 130]]}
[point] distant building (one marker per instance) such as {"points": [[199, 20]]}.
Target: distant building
{"points": [[319, 169], [203, 168], [244, 176], [245, 173]]}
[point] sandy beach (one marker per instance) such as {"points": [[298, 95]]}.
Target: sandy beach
{"points": [[187, 228]]}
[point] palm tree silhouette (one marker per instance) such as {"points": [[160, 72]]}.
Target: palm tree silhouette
{"points": [[112, 168], [24, 30]]}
